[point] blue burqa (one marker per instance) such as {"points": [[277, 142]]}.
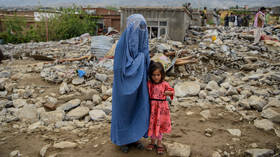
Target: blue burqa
{"points": [[130, 104]]}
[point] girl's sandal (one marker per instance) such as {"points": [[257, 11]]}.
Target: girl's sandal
{"points": [[160, 150], [151, 147]]}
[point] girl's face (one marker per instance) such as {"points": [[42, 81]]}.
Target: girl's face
{"points": [[156, 76]]}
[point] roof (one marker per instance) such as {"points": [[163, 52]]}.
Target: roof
{"points": [[154, 8]]}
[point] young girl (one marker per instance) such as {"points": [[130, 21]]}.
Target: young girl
{"points": [[160, 116]]}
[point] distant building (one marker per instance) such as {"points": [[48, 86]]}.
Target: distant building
{"points": [[275, 11], [170, 23], [7, 14], [106, 18]]}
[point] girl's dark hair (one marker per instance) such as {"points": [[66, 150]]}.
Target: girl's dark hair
{"points": [[262, 9], [154, 66]]}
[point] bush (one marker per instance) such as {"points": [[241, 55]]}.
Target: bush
{"points": [[69, 23]]}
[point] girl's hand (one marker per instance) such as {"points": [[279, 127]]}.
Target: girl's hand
{"points": [[169, 93]]}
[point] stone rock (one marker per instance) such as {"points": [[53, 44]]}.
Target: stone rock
{"points": [[254, 52], [263, 124], [3, 104], [275, 76], [70, 105], [205, 114], [225, 99], [226, 85], [221, 92], [262, 92], [28, 113], [44, 150], [3, 94], [63, 89], [51, 107], [250, 116], [202, 94], [245, 104], [101, 77], [212, 85], [109, 92], [260, 152], [96, 99], [271, 115], [257, 102], [183, 89], [77, 113], [231, 91], [225, 49], [253, 145], [88, 104], [53, 155], [230, 108], [65, 144], [277, 132], [51, 100], [163, 47], [234, 132], [87, 93], [78, 81], [97, 115], [52, 117], [61, 124], [178, 149], [216, 154], [208, 132], [35, 126], [107, 110], [19, 103], [15, 153], [245, 93], [5, 74], [274, 102], [255, 77]]}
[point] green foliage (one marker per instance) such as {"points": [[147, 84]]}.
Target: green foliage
{"points": [[14, 30], [240, 12], [112, 8], [210, 22], [69, 23]]}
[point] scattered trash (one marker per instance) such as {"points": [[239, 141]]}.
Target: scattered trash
{"points": [[81, 73]]}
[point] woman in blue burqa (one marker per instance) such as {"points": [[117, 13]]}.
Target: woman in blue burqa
{"points": [[130, 104]]}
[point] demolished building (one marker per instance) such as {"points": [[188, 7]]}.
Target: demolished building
{"points": [[170, 23]]}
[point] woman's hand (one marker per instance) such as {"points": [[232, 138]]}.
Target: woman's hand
{"points": [[169, 93]]}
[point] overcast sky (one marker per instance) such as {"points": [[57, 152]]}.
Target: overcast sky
{"points": [[117, 3]]}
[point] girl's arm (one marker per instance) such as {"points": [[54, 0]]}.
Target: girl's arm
{"points": [[169, 91]]}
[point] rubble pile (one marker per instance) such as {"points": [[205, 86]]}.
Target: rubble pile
{"points": [[214, 67]]}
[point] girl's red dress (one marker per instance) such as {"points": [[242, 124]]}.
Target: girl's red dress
{"points": [[160, 114]]}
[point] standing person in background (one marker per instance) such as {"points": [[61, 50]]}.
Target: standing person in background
{"points": [[258, 24], [235, 20], [239, 21], [246, 20], [267, 17], [188, 9], [226, 20], [204, 16], [216, 17], [231, 20], [1, 56]]}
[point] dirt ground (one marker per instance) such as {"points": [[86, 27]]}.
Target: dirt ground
{"points": [[187, 129]]}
